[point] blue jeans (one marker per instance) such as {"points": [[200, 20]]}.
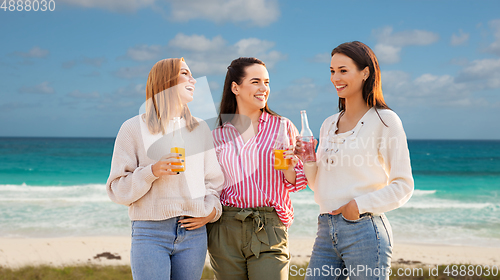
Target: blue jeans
{"points": [[360, 249], [164, 250]]}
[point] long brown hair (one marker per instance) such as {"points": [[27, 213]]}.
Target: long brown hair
{"points": [[364, 57], [162, 96], [235, 73]]}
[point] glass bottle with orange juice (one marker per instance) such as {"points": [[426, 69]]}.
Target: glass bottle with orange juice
{"points": [[178, 146], [282, 143]]}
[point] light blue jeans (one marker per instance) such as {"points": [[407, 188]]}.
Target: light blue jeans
{"points": [[164, 250], [360, 249]]}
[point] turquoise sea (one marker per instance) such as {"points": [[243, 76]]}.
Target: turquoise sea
{"points": [[56, 187]]}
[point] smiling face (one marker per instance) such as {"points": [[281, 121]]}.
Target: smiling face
{"points": [[346, 77], [253, 92], [185, 84]]}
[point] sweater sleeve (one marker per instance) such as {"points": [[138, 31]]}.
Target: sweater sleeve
{"points": [[214, 178], [393, 149], [127, 181], [300, 176]]}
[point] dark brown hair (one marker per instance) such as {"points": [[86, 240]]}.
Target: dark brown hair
{"points": [[364, 57], [162, 96], [235, 73]]}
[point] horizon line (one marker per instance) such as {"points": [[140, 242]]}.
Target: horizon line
{"points": [[114, 137]]}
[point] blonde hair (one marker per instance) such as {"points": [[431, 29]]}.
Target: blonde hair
{"points": [[162, 96]]}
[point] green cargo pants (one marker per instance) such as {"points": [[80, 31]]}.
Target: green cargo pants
{"points": [[248, 243]]}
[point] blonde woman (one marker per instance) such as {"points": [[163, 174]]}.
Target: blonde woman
{"points": [[168, 221]]}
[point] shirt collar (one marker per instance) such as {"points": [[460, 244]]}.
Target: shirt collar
{"points": [[264, 117]]}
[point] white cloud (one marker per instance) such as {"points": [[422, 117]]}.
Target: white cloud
{"points": [[405, 38], [429, 90], [144, 52], [460, 39], [390, 44], [252, 45], [43, 88], [35, 52], [436, 86], [257, 12], [203, 55], [212, 56], [495, 46], [394, 80], [484, 73], [474, 85], [387, 53], [112, 5], [196, 43]]}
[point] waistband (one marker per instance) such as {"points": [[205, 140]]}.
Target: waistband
{"points": [[360, 216], [237, 209]]}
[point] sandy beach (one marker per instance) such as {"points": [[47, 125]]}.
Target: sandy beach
{"points": [[115, 250]]}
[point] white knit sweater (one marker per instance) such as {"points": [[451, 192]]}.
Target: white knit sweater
{"points": [[131, 182], [370, 163]]}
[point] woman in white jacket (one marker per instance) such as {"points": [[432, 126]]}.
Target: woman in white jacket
{"points": [[362, 170]]}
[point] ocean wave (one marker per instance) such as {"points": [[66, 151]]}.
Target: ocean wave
{"points": [[450, 205], [423, 192], [78, 194], [26, 188], [58, 199]]}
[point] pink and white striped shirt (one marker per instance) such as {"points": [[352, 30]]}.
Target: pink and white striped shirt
{"points": [[250, 178]]}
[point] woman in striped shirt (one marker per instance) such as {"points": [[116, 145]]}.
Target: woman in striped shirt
{"points": [[250, 240]]}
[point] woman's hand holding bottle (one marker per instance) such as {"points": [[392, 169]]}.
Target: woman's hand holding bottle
{"points": [[299, 147], [290, 154], [165, 165]]}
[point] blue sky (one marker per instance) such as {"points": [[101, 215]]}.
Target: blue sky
{"points": [[80, 71]]}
